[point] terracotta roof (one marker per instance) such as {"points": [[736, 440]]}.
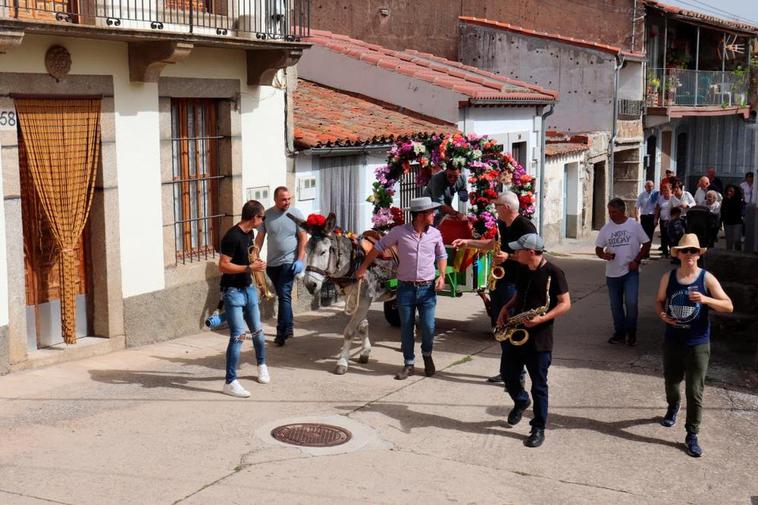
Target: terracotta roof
{"points": [[564, 148], [470, 81], [702, 17], [551, 36], [326, 117]]}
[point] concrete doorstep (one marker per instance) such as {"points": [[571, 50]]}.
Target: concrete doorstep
{"points": [[149, 425]]}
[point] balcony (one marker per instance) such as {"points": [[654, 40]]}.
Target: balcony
{"points": [[260, 20], [677, 92]]}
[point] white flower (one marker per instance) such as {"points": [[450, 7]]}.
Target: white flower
{"points": [[476, 153]]}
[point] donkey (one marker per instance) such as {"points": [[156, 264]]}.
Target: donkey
{"points": [[335, 257]]}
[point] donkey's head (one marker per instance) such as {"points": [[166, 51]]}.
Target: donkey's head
{"points": [[319, 251]]}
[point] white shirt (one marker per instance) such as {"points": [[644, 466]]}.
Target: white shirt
{"points": [[624, 240], [686, 200], [700, 196], [747, 191], [664, 206]]}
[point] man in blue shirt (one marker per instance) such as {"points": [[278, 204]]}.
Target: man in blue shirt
{"points": [[442, 187], [646, 208]]}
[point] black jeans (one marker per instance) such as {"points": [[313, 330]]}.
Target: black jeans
{"points": [[537, 364], [648, 224], [664, 237]]}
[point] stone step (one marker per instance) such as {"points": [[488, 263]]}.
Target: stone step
{"points": [[731, 266]]}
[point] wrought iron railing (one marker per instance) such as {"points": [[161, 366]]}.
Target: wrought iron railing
{"points": [[287, 20], [696, 88], [630, 109]]}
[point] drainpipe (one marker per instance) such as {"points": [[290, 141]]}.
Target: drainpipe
{"points": [[541, 176], [614, 126]]}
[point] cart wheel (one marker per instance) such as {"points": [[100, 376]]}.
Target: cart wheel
{"points": [[391, 313]]}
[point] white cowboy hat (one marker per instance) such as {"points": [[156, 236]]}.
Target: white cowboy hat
{"points": [[422, 203], [687, 241]]}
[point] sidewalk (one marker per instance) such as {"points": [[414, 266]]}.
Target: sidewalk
{"points": [[149, 425]]}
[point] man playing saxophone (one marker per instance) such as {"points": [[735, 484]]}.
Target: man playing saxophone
{"points": [[241, 296], [539, 280], [511, 226]]}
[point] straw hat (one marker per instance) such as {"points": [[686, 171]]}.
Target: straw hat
{"points": [[687, 241]]}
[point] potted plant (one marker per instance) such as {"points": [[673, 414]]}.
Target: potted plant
{"points": [[652, 88]]}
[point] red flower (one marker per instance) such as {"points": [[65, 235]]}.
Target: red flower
{"points": [[397, 215], [316, 221], [490, 233]]}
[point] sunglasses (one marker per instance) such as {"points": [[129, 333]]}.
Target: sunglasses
{"points": [[689, 250]]}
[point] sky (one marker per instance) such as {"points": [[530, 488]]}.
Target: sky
{"points": [[745, 9]]}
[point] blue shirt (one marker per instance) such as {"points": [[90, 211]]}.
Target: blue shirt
{"points": [[646, 202]]}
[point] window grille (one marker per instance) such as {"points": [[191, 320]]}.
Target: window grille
{"points": [[408, 190], [195, 143]]}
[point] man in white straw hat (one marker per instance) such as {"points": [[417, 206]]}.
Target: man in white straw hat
{"points": [[419, 245], [685, 297]]}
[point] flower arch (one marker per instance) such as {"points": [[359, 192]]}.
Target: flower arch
{"points": [[489, 169]]}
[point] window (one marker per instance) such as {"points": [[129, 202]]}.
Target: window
{"points": [[259, 193], [518, 151], [195, 143], [409, 190]]}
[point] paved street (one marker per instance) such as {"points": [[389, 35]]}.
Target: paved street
{"points": [[149, 425]]}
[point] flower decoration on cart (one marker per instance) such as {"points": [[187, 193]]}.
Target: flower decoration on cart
{"points": [[490, 169]]}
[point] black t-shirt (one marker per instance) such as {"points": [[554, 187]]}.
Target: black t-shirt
{"points": [[519, 227], [531, 288], [235, 245]]}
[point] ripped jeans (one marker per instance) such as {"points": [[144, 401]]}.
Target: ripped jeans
{"points": [[241, 306]]}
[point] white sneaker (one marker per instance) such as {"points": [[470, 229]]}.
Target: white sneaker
{"points": [[263, 376], [234, 388]]}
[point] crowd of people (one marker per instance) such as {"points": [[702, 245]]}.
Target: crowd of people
{"points": [[531, 285], [713, 206]]}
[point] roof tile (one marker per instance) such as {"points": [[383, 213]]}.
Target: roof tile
{"points": [[325, 117], [470, 81]]}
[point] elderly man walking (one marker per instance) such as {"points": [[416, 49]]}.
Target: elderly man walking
{"points": [[419, 245], [646, 202], [622, 243]]}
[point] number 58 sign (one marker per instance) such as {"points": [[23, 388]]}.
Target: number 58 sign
{"points": [[8, 120]]}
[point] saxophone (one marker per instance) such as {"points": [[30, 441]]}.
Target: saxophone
{"points": [[253, 254], [512, 327], [497, 272]]}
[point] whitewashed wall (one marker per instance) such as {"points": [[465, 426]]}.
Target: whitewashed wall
{"points": [[307, 165], [138, 139], [557, 188], [3, 256]]}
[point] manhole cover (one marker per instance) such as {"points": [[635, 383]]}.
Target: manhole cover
{"points": [[311, 434]]}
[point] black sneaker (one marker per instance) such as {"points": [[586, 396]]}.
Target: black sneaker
{"points": [[279, 340], [693, 448], [631, 339], [514, 416], [616, 339], [536, 437], [669, 419], [495, 379]]}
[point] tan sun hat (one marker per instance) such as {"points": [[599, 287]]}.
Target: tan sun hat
{"points": [[687, 241]]}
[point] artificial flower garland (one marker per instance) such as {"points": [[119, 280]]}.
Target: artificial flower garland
{"points": [[489, 170]]}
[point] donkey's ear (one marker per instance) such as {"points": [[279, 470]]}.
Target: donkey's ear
{"points": [[331, 222], [301, 223]]}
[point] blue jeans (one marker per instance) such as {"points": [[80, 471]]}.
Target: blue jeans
{"points": [[537, 364], [624, 291], [409, 299], [283, 280], [241, 306]]}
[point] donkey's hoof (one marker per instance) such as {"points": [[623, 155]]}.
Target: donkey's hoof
{"points": [[363, 358], [340, 370]]}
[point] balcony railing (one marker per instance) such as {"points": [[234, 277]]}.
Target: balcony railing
{"points": [[287, 20], [696, 88], [629, 109]]}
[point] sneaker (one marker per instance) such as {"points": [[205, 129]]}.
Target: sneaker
{"points": [[616, 339], [669, 419], [405, 372], [693, 448], [495, 379], [263, 376], [536, 437], [631, 339], [234, 388], [515, 415], [279, 340]]}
